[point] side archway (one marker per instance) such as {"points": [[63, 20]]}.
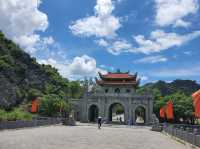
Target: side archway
{"points": [[93, 113], [140, 115], [116, 113]]}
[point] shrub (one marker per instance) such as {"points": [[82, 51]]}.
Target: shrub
{"points": [[16, 114], [53, 105], [2, 115]]}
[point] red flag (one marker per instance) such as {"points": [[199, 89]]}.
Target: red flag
{"points": [[162, 112], [169, 110], [196, 103], [34, 106], [197, 108], [196, 94]]}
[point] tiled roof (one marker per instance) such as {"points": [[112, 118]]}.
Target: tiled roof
{"points": [[118, 75], [118, 79]]}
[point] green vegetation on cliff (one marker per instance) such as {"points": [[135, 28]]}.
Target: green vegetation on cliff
{"points": [[22, 78]]}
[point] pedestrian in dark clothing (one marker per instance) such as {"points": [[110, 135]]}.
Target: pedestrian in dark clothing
{"points": [[120, 119], [99, 122]]}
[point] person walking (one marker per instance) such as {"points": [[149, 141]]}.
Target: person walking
{"points": [[120, 119], [99, 122]]}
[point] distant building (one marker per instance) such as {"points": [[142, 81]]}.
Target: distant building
{"points": [[116, 88]]}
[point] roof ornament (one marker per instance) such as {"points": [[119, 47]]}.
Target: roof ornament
{"points": [[99, 73], [136, 74], [118, 71]]}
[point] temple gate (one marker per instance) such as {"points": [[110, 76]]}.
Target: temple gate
{"points": [[116, 88]]}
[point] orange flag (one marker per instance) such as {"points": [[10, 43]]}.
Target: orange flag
{"points": [[196, 103], [196, 94], [162, 112], [34, 106], [197, 108], [169, 110]]}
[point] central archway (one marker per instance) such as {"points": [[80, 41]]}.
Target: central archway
{"points": [[93, 113], [116, 113], [140, 116]]}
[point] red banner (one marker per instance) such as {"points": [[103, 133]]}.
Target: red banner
{"points": [[169, 110], [196, 94], [34, 106], [197, 108], [196, 103], [162, 112]]}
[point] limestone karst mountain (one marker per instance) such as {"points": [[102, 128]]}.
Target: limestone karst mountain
{"points": [[22, 78]]}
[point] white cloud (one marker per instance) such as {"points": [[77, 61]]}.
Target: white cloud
{"points": [[160, 41], [181, 23], [143, 78], [119, 46], [46, 43], [102, 42], [157, 41], [84, 65], [27, 42], [152, 59], [102, 24], [186, 71], [20, 19], [104, 7], [48, 40], [110, 68], [187, 52], [34, 42], [77, 68], [173, 12]]}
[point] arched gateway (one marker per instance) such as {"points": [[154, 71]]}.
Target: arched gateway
{"points": [[116, 113], [93, 113], [116, 89]]}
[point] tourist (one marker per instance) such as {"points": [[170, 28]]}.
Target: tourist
{"points": [[99, 122], [120, 119]]}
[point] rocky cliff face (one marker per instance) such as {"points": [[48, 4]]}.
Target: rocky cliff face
{"points": [[21, 76]]}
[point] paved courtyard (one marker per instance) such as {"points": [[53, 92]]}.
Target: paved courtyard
{"points": [[86, 137]]}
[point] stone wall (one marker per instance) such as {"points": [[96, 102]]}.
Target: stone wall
{"points": [[33, 123], [104, 101]]}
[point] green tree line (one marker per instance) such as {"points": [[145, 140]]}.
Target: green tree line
{"points": [[182, 103]]}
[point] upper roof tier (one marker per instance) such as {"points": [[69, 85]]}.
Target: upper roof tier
{"points": [[118, 76]]}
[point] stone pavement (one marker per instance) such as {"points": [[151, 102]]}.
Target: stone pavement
{"points": [[86, 136]]}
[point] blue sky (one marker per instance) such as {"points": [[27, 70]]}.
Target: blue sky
{"points": [[159, 39]]}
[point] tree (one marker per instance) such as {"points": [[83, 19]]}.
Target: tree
{"points": [[33, 93], [76, 89], [182, 105], [53, 105], [158, 99]]}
